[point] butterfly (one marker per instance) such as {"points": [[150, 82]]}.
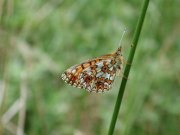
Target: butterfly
{"points": [[96, 75]]}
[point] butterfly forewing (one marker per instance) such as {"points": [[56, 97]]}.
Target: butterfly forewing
{"points": [[95, 75]]}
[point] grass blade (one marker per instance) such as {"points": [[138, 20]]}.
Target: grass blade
{"points": [[128, 67]]}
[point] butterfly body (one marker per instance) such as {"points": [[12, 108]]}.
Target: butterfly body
{"points": [[96, 75]]}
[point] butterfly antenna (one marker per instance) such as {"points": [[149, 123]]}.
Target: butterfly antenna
{"points": [[125, 30]]}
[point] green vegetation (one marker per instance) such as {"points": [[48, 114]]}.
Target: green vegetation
{"points": [[40, 39]]}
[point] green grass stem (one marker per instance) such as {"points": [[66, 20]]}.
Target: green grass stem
{"points": [[128, 66]]}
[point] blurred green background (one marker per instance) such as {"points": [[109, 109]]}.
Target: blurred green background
{"points": [[39, 39]]}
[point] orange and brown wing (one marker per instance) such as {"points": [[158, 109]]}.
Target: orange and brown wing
{"points": [[95, 75]]}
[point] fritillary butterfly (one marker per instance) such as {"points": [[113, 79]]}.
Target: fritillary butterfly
{"points": [[96, 75]]}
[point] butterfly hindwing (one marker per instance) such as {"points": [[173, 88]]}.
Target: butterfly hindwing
{"points": [[95, 75]]}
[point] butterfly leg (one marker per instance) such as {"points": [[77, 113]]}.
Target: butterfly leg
{"points": [[127, 63], [120, 74]]}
